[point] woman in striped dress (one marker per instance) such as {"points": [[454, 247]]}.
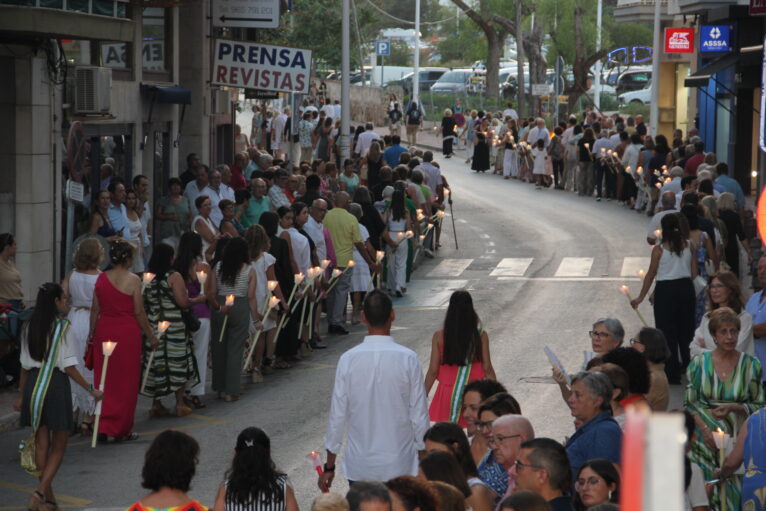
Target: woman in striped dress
{"points": [[174, 366], [253, 482], [724, 389]]}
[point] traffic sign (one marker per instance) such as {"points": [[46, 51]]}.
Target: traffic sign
{"points": [[383, 48], [541, 89], [246, 13]]}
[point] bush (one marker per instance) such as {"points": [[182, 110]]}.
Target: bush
{"points": [[634, 109]]}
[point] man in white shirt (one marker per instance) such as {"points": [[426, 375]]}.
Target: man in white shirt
{"points": [[668, 202], [510, 112], [432, 173], [194, 188], [365, 139], [217, 191], [336, 107], [278, 142], [314, 228], [539, 132], [674, 185], [379, 396], [329, 110], [311, 107]]}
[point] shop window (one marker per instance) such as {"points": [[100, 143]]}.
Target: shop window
{"points": [[77, 52], [78, 5], [114, 54]]}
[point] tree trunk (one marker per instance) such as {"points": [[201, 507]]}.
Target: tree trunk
{"points": [[579, 67], [494, 43]]}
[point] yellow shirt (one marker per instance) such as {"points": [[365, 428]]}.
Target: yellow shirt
{"points": [[10, 282], [344, 230]]}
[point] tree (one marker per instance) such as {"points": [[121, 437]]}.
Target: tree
{"points": [[462, 45]]}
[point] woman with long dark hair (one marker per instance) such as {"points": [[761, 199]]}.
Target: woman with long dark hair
{"points": [[188, 262], [483, 140], [443, 466], [459, 354], [585, 177], [48, 358], [397, 221], [253, 483], [233, 277], [99, 220], [598, 482], [673, 266], [173, 366]]}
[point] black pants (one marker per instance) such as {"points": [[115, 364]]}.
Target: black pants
{"points": [[447, 146], [674, 305], [558, 173]]}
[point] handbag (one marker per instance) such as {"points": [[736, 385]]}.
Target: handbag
{"points": [[191, 321], [28, 447]]}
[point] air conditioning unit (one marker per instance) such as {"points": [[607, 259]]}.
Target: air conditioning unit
{"points": [[221, 102], [93, 88]]}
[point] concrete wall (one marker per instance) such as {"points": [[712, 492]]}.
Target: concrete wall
{"points": [[367, 103]]}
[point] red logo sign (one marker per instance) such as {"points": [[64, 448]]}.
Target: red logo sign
{"points": [[757, 7], [679, 40]]}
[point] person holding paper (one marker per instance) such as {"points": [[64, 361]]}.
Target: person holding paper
{"points": [[724, 389]]}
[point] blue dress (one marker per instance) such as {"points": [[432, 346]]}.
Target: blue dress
{"points": [[754, 482]]}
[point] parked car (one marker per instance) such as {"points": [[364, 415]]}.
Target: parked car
{"points": [[455, 81], [427, 76], [641, 96], [634, 79]]}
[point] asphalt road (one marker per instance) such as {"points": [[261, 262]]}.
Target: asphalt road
{"points": [[542, 265]]}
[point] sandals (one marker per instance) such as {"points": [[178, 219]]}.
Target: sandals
{"points": [[86, 429], [183, 411], [195, 401], [282, 364], [37, 499], [127, 438], [157, 410], [51, 505]]}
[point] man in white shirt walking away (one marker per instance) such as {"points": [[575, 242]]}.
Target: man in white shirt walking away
{"points": [[380, 398]]}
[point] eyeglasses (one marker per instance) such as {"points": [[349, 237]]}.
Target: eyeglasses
{"points": [[483, 425], [633, 341], [602, 335], [496, 439], [591, 481], [520, 465]]}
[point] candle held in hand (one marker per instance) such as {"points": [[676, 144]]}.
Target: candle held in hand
{"points": [[229, 300], [162, 326]]}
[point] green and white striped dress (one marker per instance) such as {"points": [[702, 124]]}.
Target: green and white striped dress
{"points": [[706, 392], [174, 364]]}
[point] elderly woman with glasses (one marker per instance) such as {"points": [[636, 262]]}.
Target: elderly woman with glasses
{"points": [[724, 389], [489, 470], [598, 435], [605, 335]]}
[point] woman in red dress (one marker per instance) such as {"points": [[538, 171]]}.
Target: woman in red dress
{"points": [[116, 313], [462, 340]]}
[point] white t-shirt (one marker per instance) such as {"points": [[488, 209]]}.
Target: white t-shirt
{"points": [[510, 112]]}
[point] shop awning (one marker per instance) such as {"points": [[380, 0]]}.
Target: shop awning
{"points": [[701, 77], [168, 94]]}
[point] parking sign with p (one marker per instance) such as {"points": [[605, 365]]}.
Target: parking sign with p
{"points": [[382, 48]]}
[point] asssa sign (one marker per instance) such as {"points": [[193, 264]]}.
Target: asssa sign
{"points": [[679, 40], [260, 66], [715, 38]]}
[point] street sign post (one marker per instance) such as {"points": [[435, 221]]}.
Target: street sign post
{"points": [[382, 48], [541, 89], [246, 13]]}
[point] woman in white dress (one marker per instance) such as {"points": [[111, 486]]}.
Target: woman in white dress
{"points": [[510, 156], [540, 155], [136, 231], [360, 276], [300, 252], [79, 286], [263, 264], [204, 226], [397, 220]]}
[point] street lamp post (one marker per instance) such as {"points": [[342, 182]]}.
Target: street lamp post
{"points": [[654, 110], [345, 81], [597, 77], [416, 60]]}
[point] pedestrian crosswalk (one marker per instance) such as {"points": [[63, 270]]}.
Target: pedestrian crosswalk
{"points": [[524, 268]]}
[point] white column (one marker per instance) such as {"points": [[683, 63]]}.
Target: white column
{"points": [[416, 61], [345, 89]]}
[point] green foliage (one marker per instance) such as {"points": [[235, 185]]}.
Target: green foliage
{"points": [[634, 109], [464, 45], [401, 55]]}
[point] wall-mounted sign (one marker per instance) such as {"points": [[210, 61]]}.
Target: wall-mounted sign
{"points": [[260, 66], [246, 13], [715, 38], [679, 40], [757, 7]]}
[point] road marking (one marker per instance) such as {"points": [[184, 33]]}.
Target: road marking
{"points": [[65, 501], [450, 268], [429, 293], [511, 267], [574, 267], [631, 265]]}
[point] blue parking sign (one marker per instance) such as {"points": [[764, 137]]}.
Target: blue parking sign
{"points": [[715, 38], [383, 48]]}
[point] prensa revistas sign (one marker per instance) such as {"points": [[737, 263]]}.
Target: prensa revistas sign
{"points": [[260, 66]]}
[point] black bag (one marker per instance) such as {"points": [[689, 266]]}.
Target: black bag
{"points": [[395, 115], [191, 321]]}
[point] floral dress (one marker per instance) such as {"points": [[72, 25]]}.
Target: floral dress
{"points": [[702, 256], [706, 392]]}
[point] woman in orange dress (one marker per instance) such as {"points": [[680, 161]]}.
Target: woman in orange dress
{"points": [[117, 315], [459, 354]]}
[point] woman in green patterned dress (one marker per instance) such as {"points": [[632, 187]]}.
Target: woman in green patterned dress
{"points": [[174, 365], [724, 389]]}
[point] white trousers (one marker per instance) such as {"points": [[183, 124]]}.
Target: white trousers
{"points": [[397, 266], [201, 341]]}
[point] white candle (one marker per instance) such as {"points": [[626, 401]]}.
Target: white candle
{"points": [[201, 276]]}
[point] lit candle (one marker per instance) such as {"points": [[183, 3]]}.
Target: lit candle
{"points": [[721, 440], [658, 235], [273, 301], [336, 273], [641, 274], [317, 462], [202, 276], [147, 278], [626, 290], [325, 264], [229, 300], [229, 303], [272, 285], [379, 255], [107, 348], [409, 234]]}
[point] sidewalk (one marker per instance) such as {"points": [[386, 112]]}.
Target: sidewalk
{"points": [[427, 137]]}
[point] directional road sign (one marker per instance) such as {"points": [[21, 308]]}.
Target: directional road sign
{"points": [[246, 13], [383, 48]]}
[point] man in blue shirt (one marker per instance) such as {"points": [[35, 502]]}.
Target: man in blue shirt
{"points": [[729, 184], [118, 215], [391, 155], [756, 306], [598, 434]]}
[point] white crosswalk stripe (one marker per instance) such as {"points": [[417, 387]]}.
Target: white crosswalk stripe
{"points": [[631, 265], [512, 267], [574, 267], [450, 268]]}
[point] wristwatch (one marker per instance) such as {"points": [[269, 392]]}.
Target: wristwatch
{"points": [[329, 469]]}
